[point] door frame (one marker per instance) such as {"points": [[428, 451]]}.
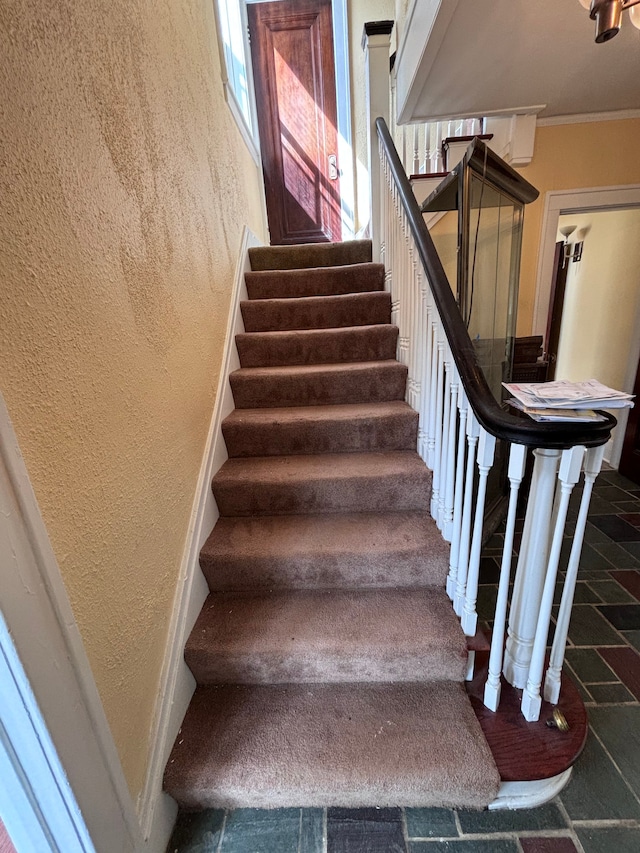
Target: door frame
{"points": [[581, 200], [340, 24], [56, 715]]}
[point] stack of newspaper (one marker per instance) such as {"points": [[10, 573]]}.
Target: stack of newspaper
{"points": [[566, 401]]}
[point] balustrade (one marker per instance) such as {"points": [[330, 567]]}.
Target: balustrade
{"points": [[459, 425]]}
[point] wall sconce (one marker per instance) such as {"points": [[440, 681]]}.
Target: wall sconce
{"points": [[608, 16], [573, 252]]}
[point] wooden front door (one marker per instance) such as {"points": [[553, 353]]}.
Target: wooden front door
{"points": [[556, 306], [293, 72]]}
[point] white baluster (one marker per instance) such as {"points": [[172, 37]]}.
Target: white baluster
{"points": [[425, 349], [447, 526], [592, 466], [473, 432], [458, 494], [530, 571], [416, 150], [517, 460], [437, 455], [486, 450], [570, 466], [444, 454]]}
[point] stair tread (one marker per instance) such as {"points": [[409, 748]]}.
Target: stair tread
{"points": [[321, 429], [371, 549], [310, 255], [327, 635], [331, 745], [317, 346], [323, 281], [313, 467], [317, 312]]}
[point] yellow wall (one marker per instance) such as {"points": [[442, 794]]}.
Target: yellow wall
{"points": [[602, 298], [572, 156], [125, 185]]}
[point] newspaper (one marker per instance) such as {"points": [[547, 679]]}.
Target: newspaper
{"points": [[562, 394]]}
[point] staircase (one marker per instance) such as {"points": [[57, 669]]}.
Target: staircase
{"points": [[328, 659]]}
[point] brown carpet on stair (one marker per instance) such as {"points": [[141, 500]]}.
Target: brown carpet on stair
{"points": [[328, 658], [266, 746]]}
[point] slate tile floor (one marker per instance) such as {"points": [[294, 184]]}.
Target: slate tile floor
{"points": [[598, 812]]}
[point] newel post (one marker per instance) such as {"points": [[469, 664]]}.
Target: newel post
{"points": [[375, 43]]}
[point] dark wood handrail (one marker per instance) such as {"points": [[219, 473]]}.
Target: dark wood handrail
{"points": [[487, 410]]}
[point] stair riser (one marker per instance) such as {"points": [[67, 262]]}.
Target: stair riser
{"points": [[273, 349], [326, 312], [379, 572], [393, 432], [310, 255], [377, 494], [332, 669], [377, 385], [331, 282]]}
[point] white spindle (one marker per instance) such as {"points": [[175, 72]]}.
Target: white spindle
{"points": [[531, 567], [517, 460], [592, 466], [458, 494], [486, 450], [437, 454], [473, 432], [446, 415], [569, 474], [449, 489]]}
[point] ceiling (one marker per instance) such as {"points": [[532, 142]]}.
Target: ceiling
{"points": [[486, 57]]}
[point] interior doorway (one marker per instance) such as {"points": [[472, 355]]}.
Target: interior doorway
{"points": [[593, 327], [292, 56]]}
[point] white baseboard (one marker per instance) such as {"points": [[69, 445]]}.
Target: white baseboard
{"points": [[156, 810]]}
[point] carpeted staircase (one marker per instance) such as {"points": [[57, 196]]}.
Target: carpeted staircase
{"points": [[328, 659]]}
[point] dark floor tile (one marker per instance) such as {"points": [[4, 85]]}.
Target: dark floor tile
{"points": [[609, 492], [610, 592], [616, 528], [609, 839], [582, 690], [562, 844], [633, 638], [588, 627], [594, 536], [431, 823], [610, 694], [592, 559], [627, 507], [261, 831], [548, 816], [494, 845], [632, 518], [629, 580], [614, 478], [619, 557], [197, 832], [626, 664], [589, 666], [599, 506], [619, 731], [625, 617], [311, 831], [583, 594], [596, 790], [365, 831], [632, 548]]}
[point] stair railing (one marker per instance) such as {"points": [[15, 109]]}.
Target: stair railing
{"points": [[459, 424]]}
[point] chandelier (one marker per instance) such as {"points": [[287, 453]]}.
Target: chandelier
{"points": [[608, 16]]}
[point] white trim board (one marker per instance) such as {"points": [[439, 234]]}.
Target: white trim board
{"points": [[38, 616], [586, 118], [155, 808], [558, 203]]}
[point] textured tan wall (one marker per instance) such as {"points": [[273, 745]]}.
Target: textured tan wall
{"points": [[124, 186], [571, 156]]}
